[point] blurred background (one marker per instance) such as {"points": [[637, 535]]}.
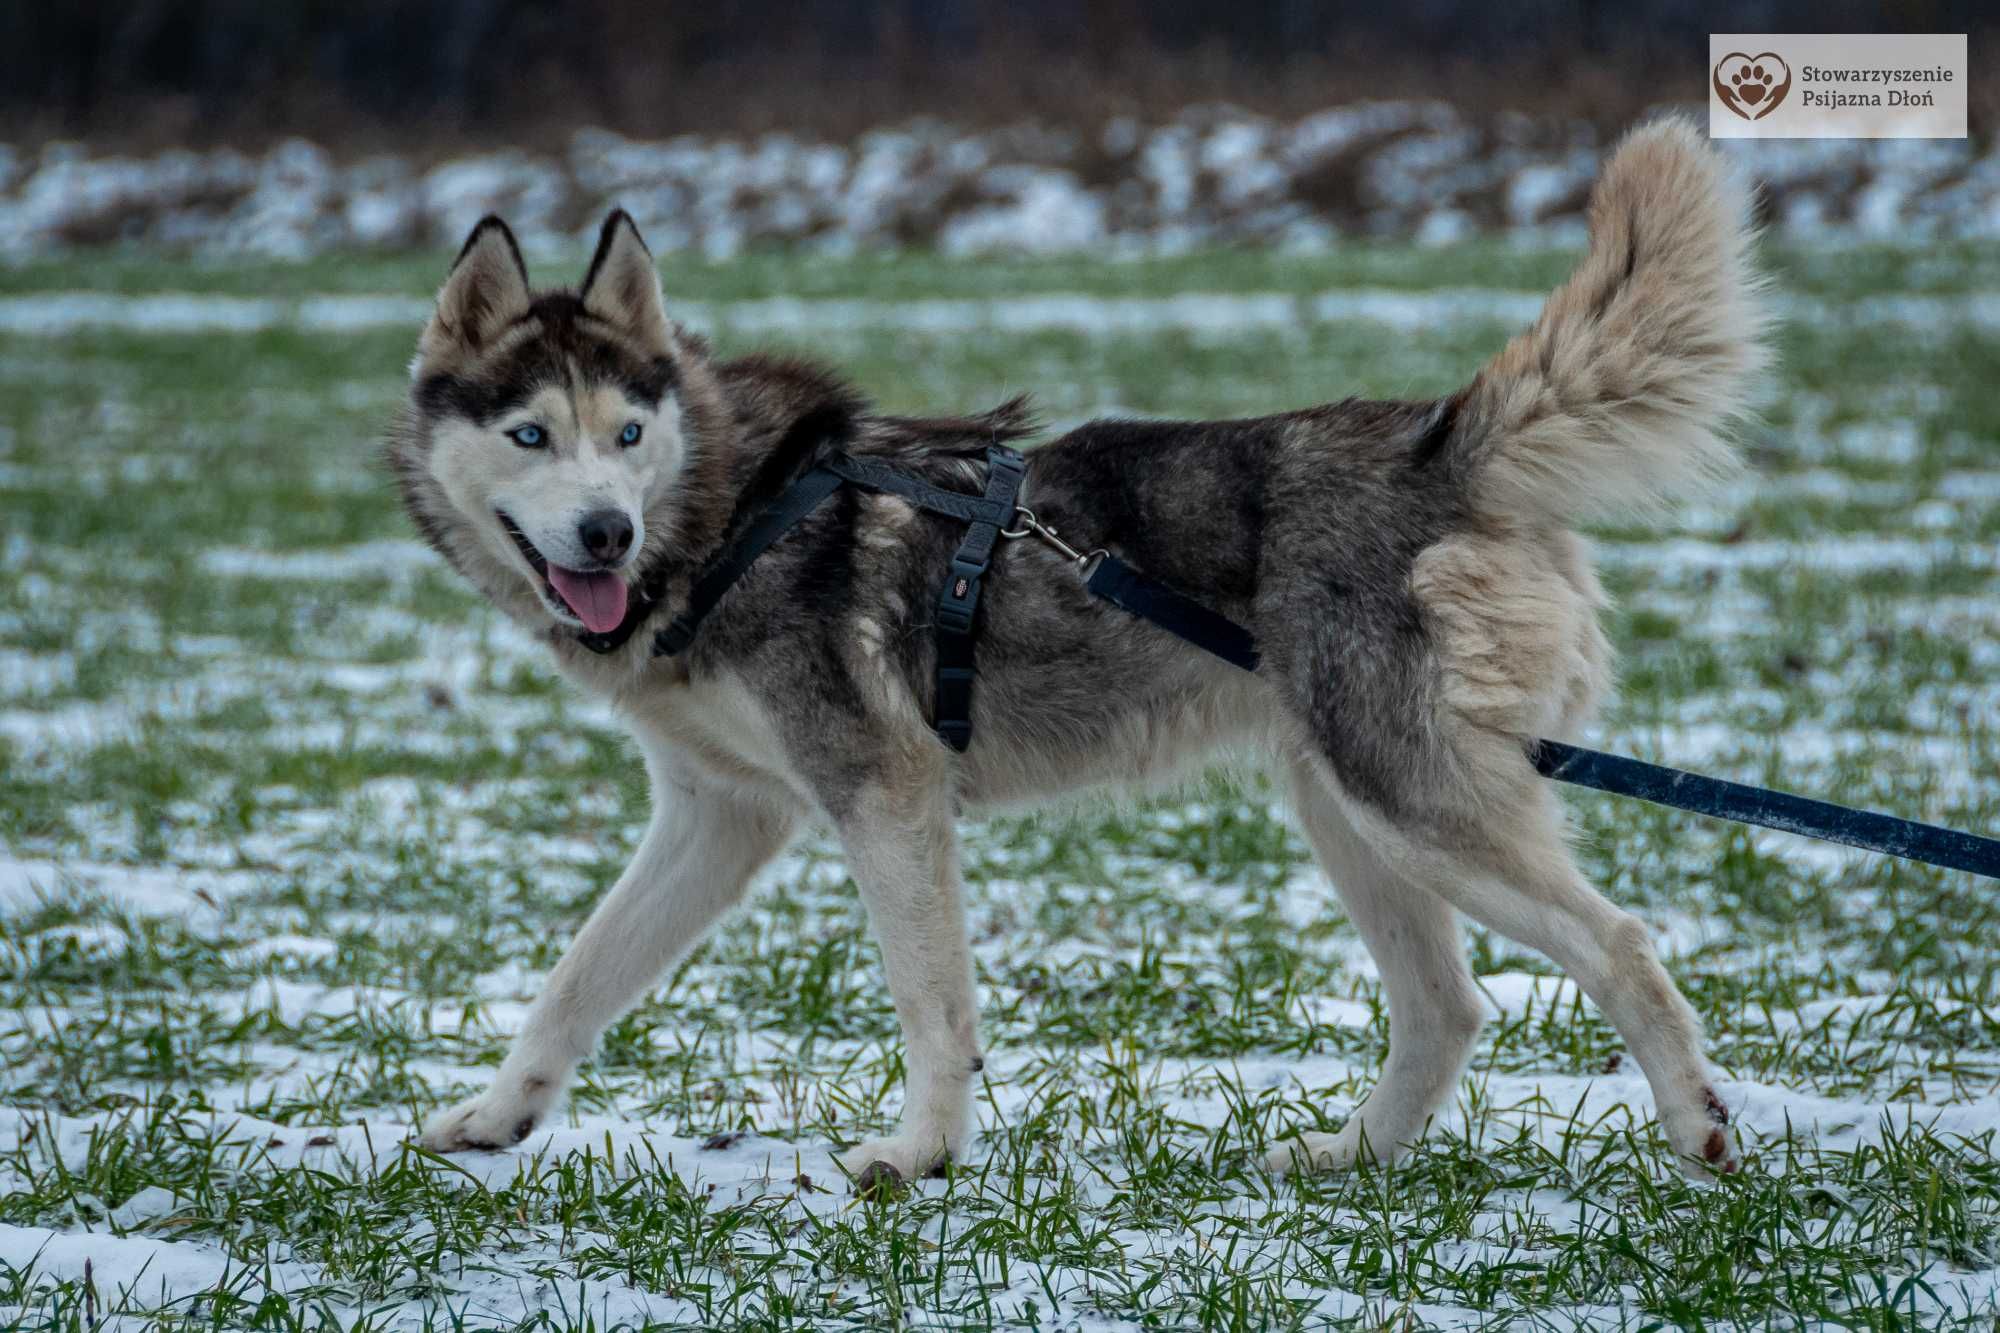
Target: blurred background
{"points": [[970, 125]]}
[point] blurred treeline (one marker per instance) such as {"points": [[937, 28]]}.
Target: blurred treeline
{"points": [[412, 74]]}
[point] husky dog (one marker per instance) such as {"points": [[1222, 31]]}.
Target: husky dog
{"points": [[1410, 569]]}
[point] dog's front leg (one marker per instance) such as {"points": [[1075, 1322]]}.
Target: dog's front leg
{"points": [[903, 853], [695, 861]]}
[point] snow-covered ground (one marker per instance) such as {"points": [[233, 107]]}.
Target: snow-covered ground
{"points": [[292, 829], [1208, 315], [1211, 175]]}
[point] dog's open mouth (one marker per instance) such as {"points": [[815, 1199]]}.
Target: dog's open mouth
{"points": [[594, 597]]}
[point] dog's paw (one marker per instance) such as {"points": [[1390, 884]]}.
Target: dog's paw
{"points": [[882, 1167], [1703, 1138], [486, 1123], [1303, 1154]]}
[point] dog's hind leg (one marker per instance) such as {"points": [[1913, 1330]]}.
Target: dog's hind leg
{"points": [[695, 861], [903, 853], [1504, 862], [1435, 1012]]}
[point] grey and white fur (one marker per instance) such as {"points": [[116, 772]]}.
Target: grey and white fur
{"points": [[1410, 569]]}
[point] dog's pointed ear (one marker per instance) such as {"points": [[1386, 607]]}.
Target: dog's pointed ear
{"points": [[487, 291], [622, 287]]}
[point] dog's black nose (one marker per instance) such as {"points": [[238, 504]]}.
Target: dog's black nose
{"points": [[606, 534]]}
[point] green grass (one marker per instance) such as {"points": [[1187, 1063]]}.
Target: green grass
{"points": [[305, 825]]}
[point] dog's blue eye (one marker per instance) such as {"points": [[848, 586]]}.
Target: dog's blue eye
{"points": [[630, 435], [528, 437]]}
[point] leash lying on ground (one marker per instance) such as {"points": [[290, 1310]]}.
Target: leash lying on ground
{"points": [[992, 516]]}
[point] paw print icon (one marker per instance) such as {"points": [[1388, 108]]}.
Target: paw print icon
{"points": [[1752, 86]]}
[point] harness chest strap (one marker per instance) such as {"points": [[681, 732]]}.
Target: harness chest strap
{"points": [[958, 604], [959, 601], [784, 513], [985, 515]]}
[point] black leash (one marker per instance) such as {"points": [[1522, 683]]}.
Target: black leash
{"points": [[1769, 809], [989, 516], [1129, 590]]}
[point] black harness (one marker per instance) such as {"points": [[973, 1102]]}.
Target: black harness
{"points": [[984, 516], [987, 518], [990, 516]]}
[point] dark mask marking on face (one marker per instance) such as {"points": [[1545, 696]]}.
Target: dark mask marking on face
{"points": [[567, 337]]}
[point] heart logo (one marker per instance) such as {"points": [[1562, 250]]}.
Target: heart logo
{"points": [[1752, 86]]}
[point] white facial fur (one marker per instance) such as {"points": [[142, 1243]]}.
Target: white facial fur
{"points": [[580, 468]]}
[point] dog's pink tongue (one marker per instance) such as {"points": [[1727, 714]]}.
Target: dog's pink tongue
{"points": [[598, 599]]}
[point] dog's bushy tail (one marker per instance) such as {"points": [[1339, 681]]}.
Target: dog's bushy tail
{"points": [[1613, 402]]}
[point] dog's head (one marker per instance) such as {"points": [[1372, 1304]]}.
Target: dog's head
{"points": [[548, 433]]}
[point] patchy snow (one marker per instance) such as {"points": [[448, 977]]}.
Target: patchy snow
{"points": [[131, 1248], [530, 192], [1208, 175], [1852, 556], [392, 559], [145, 891], [1217, 313], [64, 312], [1546, 190], [1044, 212], [145, 1272]]}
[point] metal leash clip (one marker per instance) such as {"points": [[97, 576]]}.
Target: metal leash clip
{"points": [[1086, 560]]}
